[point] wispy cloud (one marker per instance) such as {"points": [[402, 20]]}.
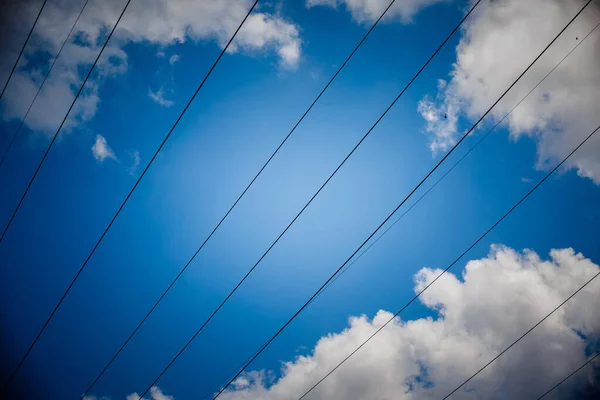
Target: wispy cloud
{"points": [[135, 156], [101, 150], [441, 116], [158, 97], [367, 11], [174, 58]]}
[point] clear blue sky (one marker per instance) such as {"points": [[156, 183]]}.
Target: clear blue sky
{"points": [[246, 108]]}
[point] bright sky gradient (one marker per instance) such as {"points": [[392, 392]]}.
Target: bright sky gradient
{"points": [[159, 55]]}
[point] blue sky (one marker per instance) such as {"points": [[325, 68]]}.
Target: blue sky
{"points": [[251, 101]]}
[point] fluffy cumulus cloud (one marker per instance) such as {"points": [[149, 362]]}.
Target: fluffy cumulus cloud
{"points": [[368, 11], [167, 22], [156, 22], [498, 42], [101, 150], [70, 69], [478, 314]]}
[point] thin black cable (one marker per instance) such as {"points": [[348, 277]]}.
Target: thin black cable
{"points": [[522, 336], [406, 198], [460, 160], [568, 376], [42, 85], [12, 71], [308, 203], [29, 185], [12, 217], [453, 263], [191, 260], [225, 380]]}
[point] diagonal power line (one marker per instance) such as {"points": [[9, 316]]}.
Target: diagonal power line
{"points": [[12, 71], [455, 261], [398, 207], [311, 200], [459, 160], [523, 335], [136, 183], [569, 376], [12, 140], [191, 260], [14, 373]]}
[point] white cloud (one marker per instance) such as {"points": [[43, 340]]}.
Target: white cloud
{"points": [[168, 22], [155, 394], [499, 41], [264, 30], [70, 69], [442, 120], [135, 155], [498, 298], [174, 58], [157, 22], [368, 11], [101, 150], [158, 97]]}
